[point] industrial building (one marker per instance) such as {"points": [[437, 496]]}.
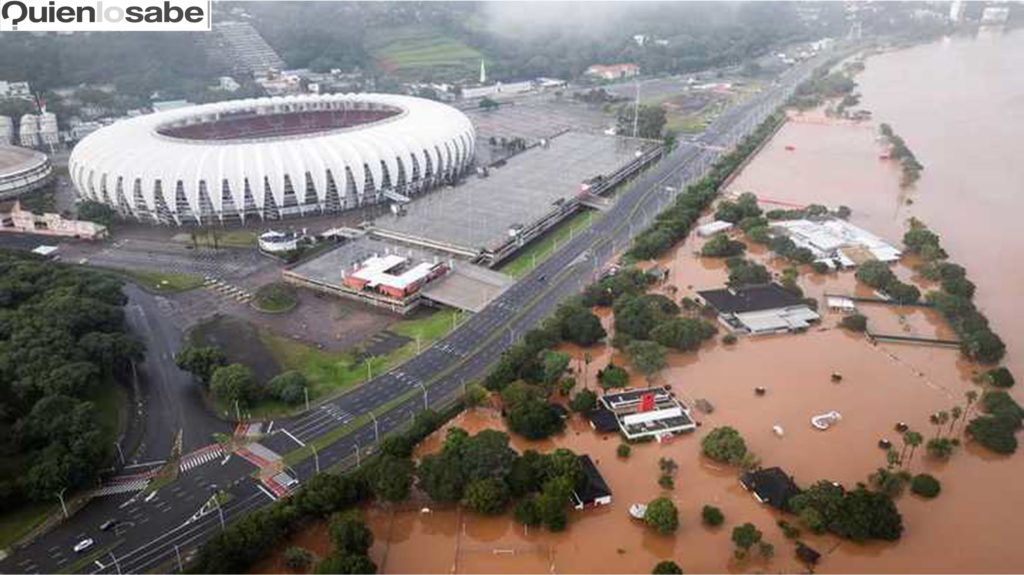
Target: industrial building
{"points": [[759, 310], [837, 243], [271, 158], [22, 171]]}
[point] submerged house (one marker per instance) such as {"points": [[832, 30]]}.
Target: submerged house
{"points": [[759, 309], [594, 491], [772, 486]]}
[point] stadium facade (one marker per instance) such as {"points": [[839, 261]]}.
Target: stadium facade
{"points": [[22, 171], [270, 158]]}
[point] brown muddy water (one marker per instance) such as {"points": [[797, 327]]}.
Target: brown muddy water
{"points": [[960, 106]]}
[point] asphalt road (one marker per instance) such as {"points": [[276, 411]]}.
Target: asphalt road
{"points": [[429, 378]]}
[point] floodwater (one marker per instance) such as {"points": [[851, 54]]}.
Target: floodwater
{"points": [[960, 106]]}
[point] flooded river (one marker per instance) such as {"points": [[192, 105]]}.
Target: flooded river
{"points": [[959, 105]]}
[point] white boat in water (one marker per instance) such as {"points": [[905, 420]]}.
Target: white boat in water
{"points": [[638, 510], [826, 420]]}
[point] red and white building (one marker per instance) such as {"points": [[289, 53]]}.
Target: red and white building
{"points": [[393, 276], [613, 71]]}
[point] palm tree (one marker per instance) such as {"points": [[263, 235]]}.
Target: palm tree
{"points": [[971, 396], [913, 439], [954, 414], [940, 421]]}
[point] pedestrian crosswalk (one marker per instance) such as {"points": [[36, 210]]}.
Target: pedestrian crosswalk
{"points": [[116, 486], [200, 456], [227, 290]]}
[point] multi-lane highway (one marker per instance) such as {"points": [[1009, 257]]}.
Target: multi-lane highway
{"points": [[173, 531]]}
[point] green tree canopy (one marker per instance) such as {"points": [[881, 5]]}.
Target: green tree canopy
{"points": [[662, 515]]}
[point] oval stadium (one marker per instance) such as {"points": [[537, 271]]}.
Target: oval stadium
{"points": [[22, 170], [270, 158]]}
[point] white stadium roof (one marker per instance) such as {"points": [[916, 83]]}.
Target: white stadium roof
{"points": [[180, 149]]}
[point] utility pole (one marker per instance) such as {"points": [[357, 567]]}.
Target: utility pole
{"points": [[220, 511], [238, 412], [636, 108]]}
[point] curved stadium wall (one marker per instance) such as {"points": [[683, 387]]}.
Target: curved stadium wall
{"points": [[270, 158], [22, 171]]}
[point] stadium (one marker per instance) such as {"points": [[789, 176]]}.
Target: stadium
{"points": [[271, 158], [22, 170]]}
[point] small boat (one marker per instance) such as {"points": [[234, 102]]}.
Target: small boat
{"points": [[777, 430], [638, 510], [790, 148], [825, 420]]}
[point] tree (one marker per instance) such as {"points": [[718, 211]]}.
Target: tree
{"points": [[744, 537], [650, 121], [534, 419], [683, 333], [486, 496], [289, 387], [584, 401], [234, 383], [623, 450], [441, 477], [997, 434], [391, 478], [349, 534], [337, 563], [925, 485], [580, 325], [940, 449], [854, 322], [555, 364], [666, 568], [744, 273], [724, 445], [528, 512], [1000, 377], [721, 246], [298, 558], [97, 212], [662, 515], [647, 356], [712, 516], [488, 105], [200, 360], [475, 395], [612, 376]]}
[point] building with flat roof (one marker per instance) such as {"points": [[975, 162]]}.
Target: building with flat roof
{"points": [[488, 218], [644, 413], [837, 243], [760, 309]]}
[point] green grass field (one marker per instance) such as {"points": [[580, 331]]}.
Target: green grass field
{"points": [[277, 297], [330, 373], [163, 282], [414, 49], [544, 246]]}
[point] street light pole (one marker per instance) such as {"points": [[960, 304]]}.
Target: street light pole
{"points": [[116, 564], [426, 404], [316, 457], [305, 392], [117, 444], [357, 454], [62, 506], [376, 428], [181, 568], [238, 412]]}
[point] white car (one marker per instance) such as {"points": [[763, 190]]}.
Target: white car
{"points": [[83, 545]]}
